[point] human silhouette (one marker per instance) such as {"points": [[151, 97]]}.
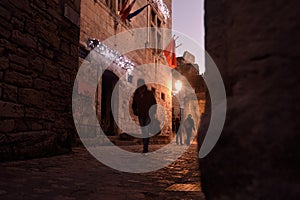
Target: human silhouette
{"points": [[178, 131], [189, 127], [143, 99]]}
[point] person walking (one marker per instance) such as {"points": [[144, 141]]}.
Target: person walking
{"points": [[143, 99], [178, 131], [189, 127]]}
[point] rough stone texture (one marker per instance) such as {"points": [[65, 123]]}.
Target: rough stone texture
{"points": [[37, 73], [80, 176], [255, 45]]}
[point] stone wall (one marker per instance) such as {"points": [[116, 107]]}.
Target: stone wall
{"points": [[38, 64], [255, 45]]}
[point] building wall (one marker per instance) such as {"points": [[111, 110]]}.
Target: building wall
{"points": [[188, 74], [254, 44], [98, 21], [38, 64]]}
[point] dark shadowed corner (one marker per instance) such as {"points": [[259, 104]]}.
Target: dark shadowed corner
{"points": [[254, 44]]}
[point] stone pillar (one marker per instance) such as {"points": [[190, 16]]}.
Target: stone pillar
{"points": [[256, 47]]}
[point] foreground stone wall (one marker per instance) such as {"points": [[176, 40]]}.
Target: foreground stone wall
{"points": [[38, 64], [255, 45]]}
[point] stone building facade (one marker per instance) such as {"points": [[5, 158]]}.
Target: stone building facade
{"points": [[100, 20], [38, 65], [187, 72]]}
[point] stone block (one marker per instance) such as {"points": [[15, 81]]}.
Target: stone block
{"points": [[41, 84], [36, 62], [64, 46], [51, 26], [24, 39], [7, 126], [18, 79], [53, 3], [5, 148], [72, 15], [48, 53], [2, 51], [5, 32], [22, 5], [35, 143], [36, 126], [55, 12], [8, 45], [51, 71], [36, 11], [60, 88], [21, 125], [17, 24], [6, 25], [33, 97], [5, 13], [49, 35], [188, 57], [67, 120], [22, 69], [10, 93], [53, 103], [21, 60], [13, 110], [77, 4], [70, 34], [31, 26], [1, 76], [42, 4], [45, 114], [4, 63], [74, 50], [65, 75], [66, 61]]}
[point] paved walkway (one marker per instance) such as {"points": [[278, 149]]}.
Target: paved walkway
{"points": [[81, 176]]}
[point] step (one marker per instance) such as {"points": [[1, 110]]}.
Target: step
{"points": [[124, 143]]}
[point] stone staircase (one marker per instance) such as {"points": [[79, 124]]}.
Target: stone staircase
{"points": [[128, 140], [93, 139]]}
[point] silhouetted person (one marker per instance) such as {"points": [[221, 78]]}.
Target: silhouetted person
{"points": [[143, 99], [189, 127], [178, 131]]}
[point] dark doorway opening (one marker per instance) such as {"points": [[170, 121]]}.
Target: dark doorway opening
{"points": [[108, 124]]}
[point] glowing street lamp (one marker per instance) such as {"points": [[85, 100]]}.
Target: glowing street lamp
{"points": [[178, 85]]}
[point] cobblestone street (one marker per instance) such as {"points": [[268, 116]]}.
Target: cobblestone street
{"points": [[81, 176]]}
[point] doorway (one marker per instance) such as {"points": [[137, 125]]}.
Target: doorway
{"points": [[108, 124]]}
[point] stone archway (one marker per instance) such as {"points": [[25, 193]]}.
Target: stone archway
{"points": [[108, 124]]}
